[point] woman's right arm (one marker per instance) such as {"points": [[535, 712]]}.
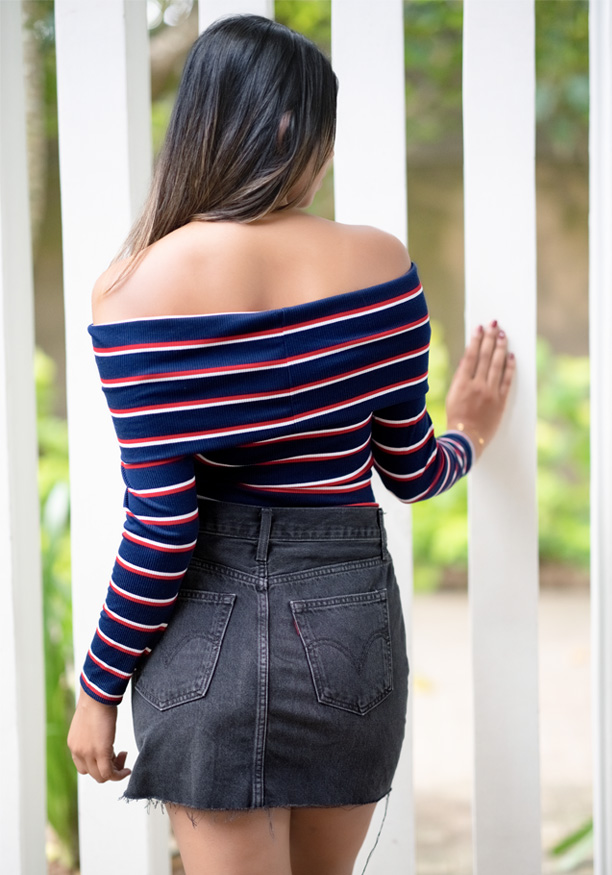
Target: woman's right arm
{"points": [[411, 461]]}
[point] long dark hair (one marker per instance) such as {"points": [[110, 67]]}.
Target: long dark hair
{"points": [[253, 124]]}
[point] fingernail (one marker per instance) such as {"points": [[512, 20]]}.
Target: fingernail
{"points": [[511, 356], [479, 329], [501, 334], [494, 323]]}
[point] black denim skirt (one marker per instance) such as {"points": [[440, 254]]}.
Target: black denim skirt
{"points": [[281, 680]]}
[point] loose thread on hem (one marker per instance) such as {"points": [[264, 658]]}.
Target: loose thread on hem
{"points": [[380, 828]]}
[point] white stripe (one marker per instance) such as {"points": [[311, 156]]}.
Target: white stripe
{"points": [[348, 487], [323, 432], [281, 332], [307, 456], [99, 690], [247, 429], [131, 537], [100, 662], [149, 572], [303, 458], [162, 489], [141, 599], [414, 475], [238, 371], [207, 461], [124, 620], [164, 519], [302, 484], [408, 449], [392, 422], [112, 643], [203, 405]]}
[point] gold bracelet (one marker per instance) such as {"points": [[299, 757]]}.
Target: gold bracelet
{"points": [[461, 427]]}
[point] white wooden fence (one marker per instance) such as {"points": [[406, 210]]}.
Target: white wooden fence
{"points": [[105, 160]]}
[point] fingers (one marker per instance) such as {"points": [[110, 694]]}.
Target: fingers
{"points": [[487, 350], [470, 358], [508, 375], [103, 768], [497, 364]]}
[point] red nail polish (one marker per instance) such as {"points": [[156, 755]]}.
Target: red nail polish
{"points": [[494, 323], [511, 356]]}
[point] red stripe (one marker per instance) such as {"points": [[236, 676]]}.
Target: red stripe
{"points": [[114, 699], [401, 423], [149, 464], [106, 668], [272, 422], [180, 344], [162, 491], [140, 601], [323, 433], [159, 547], [137, 628], [115, 645], [187, 519], [151, 574], [272, 363], [315, 384]]}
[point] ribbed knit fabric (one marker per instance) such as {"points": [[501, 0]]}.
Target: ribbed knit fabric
{"points": [[281, 407]]}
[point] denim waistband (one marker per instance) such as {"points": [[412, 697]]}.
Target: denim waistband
{"points": [[265, 524]]}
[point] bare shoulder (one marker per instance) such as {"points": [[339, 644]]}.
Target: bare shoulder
{"points": [[376, 255], [167, 278]]}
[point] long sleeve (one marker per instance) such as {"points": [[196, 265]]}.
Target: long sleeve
{"points": [[159, 535], [260, 407], [411, 461]]}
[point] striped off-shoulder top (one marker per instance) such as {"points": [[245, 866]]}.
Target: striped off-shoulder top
{"points": [[291, 407]]}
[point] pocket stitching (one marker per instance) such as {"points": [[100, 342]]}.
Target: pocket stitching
{"points": [[300, 609], [202, 681]]}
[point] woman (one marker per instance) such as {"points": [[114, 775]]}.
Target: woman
{"points": [[258, 362]]}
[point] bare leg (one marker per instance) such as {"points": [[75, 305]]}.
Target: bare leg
{"points": [[326, 841], [232, 842]]}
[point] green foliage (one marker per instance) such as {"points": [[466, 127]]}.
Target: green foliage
{"points": [[563, 456], [440, 525], [312, 18], [433, 60], [576, 848], [55, 544], [562, 71]]}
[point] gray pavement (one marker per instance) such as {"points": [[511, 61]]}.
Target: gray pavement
{"points": [[443, 727]]}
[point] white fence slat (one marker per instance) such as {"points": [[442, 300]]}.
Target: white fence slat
{"points": [[499, 137], [600, 287], [370, 159], [210, 10], [22, 717], [370, 189], [105, 161]]}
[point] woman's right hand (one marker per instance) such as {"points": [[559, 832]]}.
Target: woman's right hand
{"points": [[91, 738], [479, 390]]}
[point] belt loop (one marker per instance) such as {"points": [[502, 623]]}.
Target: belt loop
{"points": [[383, 535], [264, 534]]}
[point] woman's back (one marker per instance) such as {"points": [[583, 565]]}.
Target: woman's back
{"points": [[280, 261]]}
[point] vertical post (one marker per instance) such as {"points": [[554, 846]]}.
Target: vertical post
{"points": [[600, 285], [105, 161], [370, 188], [210, 10], [22, 717], [499, 136]]}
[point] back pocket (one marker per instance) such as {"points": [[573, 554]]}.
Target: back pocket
{"points": [[182, 664], [348, 647]]}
